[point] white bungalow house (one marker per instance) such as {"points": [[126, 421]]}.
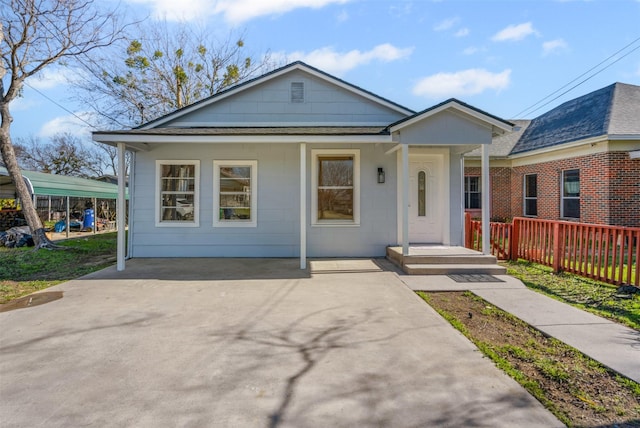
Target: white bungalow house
{"points": [[298, 163]]}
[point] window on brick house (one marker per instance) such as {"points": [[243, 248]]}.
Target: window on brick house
{"points": [[531, 195], [570, 194], [472, 193]]}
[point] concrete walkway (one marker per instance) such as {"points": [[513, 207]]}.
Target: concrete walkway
{"points": [[612, 344], [248, 343]]}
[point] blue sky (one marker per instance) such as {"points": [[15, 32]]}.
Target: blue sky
{"points": [[500, 56]]}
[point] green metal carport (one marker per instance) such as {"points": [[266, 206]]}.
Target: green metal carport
{"points": [[52, 185], [43, 184]]}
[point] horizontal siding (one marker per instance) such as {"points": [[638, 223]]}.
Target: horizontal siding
{"points": [[278, 228], [269, 103]]}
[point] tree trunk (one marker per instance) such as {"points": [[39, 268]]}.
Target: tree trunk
{"points": [[10, 161]]}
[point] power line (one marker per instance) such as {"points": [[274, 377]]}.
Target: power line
{"points": [[62, 107], [531, 109]]}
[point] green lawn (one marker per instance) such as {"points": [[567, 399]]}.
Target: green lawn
{"points": [[585, 293], [24, 270]]}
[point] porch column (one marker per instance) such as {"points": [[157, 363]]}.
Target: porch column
{"points": [[303, 206], [486, 201], [405, 199], [120, 209]]}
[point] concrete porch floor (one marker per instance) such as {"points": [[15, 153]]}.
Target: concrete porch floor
{"points": [[425, 259], [436, 250]]}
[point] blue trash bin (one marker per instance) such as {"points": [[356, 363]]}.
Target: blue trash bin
{"points": [[88, 220]]}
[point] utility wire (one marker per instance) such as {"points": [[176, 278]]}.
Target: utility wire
{"points": [[62, 107], [529, 110]]}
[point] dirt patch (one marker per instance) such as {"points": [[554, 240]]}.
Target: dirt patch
{"points": [[578, 390], [31, 300]]}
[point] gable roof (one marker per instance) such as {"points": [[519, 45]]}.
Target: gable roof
{"points": [[455, 104], [612, 110], [298, 65]]}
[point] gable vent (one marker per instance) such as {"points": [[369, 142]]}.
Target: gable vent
{"points": [[297, 92]]}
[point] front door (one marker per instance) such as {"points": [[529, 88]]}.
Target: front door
{"points": [[426, 201]]}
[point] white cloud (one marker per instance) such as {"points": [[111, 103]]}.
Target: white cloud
{"points": [[466, 82], [23, 104], [471, 50], [514, 32], [446, 24], [49, 78], [553, 46], [67, 124], [172, 10], [234, 11], [343, 16], [402, 10], [238, 11], [338, 63], [462, 32]]}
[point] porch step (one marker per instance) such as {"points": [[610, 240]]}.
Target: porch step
{"points": [[467, 259], [448, 269], [441, 260]]}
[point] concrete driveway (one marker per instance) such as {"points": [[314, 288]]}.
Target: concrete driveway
{"points": [[247, 343]]}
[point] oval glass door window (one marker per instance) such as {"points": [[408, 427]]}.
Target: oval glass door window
{"points": [[422, 194]]}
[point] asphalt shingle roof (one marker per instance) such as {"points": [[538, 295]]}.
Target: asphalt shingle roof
{"points": [[614, 109], [501, 146]]}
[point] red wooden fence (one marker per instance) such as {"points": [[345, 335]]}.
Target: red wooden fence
{"points": [[605, 253]]}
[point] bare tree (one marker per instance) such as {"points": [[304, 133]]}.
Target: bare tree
{"points": [[34, 35], [165, 68], [64, 154]]}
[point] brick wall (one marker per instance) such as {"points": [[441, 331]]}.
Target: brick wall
{"points": [[499, 178], [624, 190], [609, 188]]}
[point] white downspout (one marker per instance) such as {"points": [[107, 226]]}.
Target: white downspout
{"points": [[303, 206], [486, 200], [120, 209]]}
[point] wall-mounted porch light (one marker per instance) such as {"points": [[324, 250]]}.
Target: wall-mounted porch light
{"points": [[380, 175]]}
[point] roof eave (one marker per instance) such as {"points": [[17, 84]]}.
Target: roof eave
{"points": [[498, 126], [114, 138]]}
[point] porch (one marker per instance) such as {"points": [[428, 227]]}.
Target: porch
{"points": [[425, 259]]}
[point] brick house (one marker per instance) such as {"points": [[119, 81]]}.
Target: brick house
{"points": [[578, 162]]}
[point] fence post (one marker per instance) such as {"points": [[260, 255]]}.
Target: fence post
{"points": [[467, 230], [514, 240], [557, 248]]}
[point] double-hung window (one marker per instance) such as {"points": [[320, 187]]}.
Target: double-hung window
{"points": [[570, 194], [336, 187], [531, 195], [177, 192], [235, 198], [472, 192]]}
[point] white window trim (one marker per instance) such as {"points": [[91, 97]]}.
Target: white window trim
{"points": [[253, 164], [563, 197], [315, 154], [196, 195], [468, 193], [525, 198]]}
